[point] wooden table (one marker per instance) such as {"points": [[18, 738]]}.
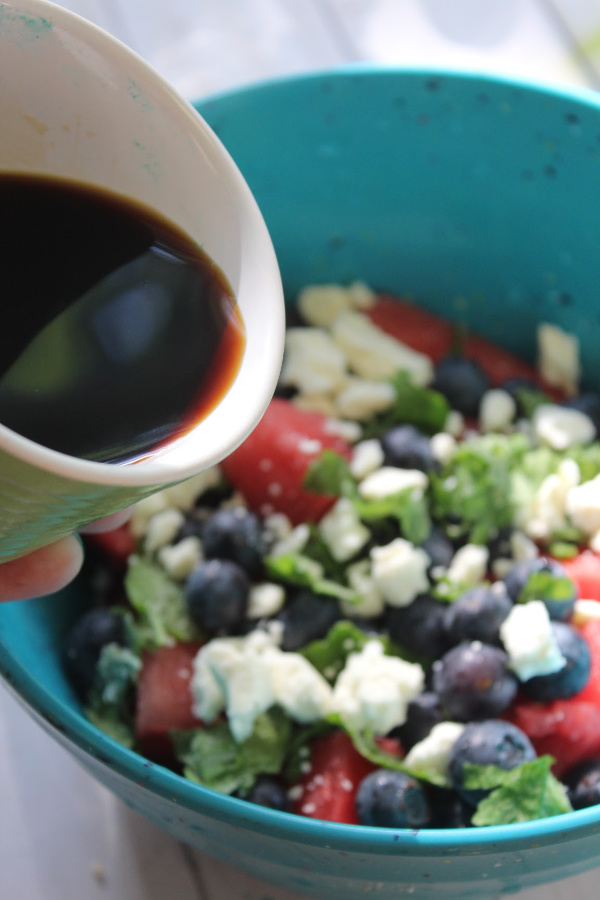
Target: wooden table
{"points": [[62, 836]]}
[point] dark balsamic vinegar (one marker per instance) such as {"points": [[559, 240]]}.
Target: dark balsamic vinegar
{"points": [[118, 332]]}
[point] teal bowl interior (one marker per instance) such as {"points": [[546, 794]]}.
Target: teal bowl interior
{"points": [[480, 198]]}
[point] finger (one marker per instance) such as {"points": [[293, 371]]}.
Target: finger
{"points": [[44, 571], [108, 523]]}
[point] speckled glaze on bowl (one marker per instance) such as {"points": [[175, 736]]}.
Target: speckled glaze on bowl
{"points": [[481, 198]]}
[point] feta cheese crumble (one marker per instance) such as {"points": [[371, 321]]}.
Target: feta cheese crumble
{"points": [[558, 358], [343, 532], [387, 481], [373, 690], [468, 565], [561, 427], [431, 756], [399, 571], [529, 641]]}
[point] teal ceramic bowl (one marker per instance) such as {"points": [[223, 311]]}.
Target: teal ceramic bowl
{"points": [[481, 199]]}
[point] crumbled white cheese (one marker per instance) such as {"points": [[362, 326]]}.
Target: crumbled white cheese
{"points": [[547, 513], [232, 675], [313, 363], [388, 480], [360, 580], [344, 428], [278, 526], [455, 423], [468, 565], [342, 530], [266, 599], [179, 560], [372, 354], [558, 358], [497, 410], [298, 687], [583, 506], [373, 690], [146, 509], [443, 447], [321, 304], [431, 756], [362, 399], [523, 548], [319, 403], [162, 529], [561, 427], [529, 641], [585, 611], [294, 542], [367, 457], [399, 571]]}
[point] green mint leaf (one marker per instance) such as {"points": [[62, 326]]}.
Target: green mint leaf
{"points": [[110, 723], [299, 569], [330, 474], [546, 586], [329, 654], [563, 550], [110, 702], [162, 617], [522, 794], [472, 495], [211, 756], [424, 408], [409, 507]]}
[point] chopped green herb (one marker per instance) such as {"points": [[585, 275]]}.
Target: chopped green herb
{"points": [[299, 569], [110, 703], [330, 474], [546, 586], [212, 757], [329, 654], [527, 792], [563, 550], [159, 604], [424, 408], [472, 495]]}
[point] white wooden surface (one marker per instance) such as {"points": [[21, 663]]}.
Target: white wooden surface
{"points": [[62, 836]]}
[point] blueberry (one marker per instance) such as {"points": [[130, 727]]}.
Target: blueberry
{"points": [[236, 534], [539, 576], [305, 618], [84, 642], [489, 743], [405, 447], [588, 403], [422, 713], [439, 549], [478, 614], [419, 627], [448, 808], [216, 594], [473, 682], [583, 783], [463, 383], [573, 676], [270, 792], [392, 799]]}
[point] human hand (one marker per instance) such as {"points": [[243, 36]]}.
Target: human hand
{"points": [[50, 568]]}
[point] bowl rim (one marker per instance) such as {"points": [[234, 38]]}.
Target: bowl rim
{"points": [[67, 725], [70, 726]]}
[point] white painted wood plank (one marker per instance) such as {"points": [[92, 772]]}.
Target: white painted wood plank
{"points": [[64, 837]]}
